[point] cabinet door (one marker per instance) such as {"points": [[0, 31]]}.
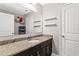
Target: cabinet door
{"points": [[43, 51], [6, 24]]}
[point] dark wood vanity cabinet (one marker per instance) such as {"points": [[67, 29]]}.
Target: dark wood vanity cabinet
{"points": [[46, 48], [42, 49]]}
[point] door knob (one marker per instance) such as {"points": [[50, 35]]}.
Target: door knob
{"points": [[63, 36]]}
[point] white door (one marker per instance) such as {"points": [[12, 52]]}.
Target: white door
{"points": [[6, 24], [70, 30]]}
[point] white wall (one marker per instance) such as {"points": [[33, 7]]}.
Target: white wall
{"points": [[51, 11], [6, 24]]}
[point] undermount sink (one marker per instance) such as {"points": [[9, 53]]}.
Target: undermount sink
{"points": [[33, 41]]}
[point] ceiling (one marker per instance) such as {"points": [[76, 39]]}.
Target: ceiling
{"points": [[13, 8]]}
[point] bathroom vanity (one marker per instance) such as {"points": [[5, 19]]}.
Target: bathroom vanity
{"points": [[33, 46]]}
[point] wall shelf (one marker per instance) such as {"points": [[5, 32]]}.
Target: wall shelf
{"points": [[49, 25], [36, 21], [51, 19], [37, 26]]}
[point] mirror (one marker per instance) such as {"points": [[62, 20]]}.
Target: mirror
{"points": [[19, 22]]}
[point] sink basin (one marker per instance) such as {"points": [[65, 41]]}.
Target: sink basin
{"points": [[34, 41]]}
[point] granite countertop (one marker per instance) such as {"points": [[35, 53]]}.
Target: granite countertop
{"points": [[19, 46], [14, 38]]}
